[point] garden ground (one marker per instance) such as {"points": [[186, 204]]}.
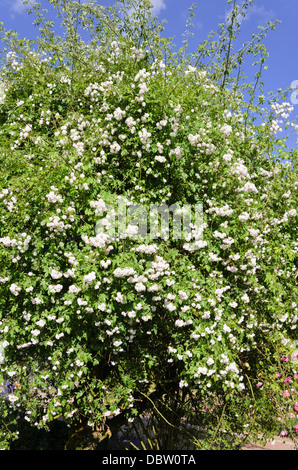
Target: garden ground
{"points": [[278, 443]]}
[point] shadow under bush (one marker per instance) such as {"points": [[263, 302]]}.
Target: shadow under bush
{"points": [[31, 438]]}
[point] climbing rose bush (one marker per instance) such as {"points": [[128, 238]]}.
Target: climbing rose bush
{"points": [[92, 324]]}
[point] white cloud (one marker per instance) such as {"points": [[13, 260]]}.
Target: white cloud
{"points": [[17, 6], [158, 5], [262, 14]]}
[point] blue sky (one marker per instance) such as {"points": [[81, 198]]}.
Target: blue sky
{"points": [[282, 44]]}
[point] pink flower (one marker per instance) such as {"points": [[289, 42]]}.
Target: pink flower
{"points": [[296, 376], [288, 379], [296, 407], [259, 384], [285, 394], [283, 433], [296, 427], [294, 355], [284, 358], [278, 375]]}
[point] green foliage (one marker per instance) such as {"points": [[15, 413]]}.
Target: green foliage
{"points": [[96, 327]]}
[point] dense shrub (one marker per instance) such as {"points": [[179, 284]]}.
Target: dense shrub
{"points": [[99, 329]]}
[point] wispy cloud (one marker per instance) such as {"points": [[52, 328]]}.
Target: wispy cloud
{"points": [[17, 7], [158, 5], [260, 12]]}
